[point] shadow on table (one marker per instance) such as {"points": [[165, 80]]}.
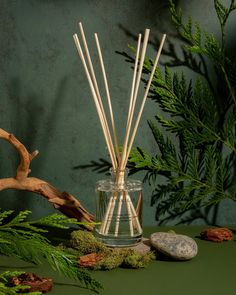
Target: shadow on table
{"points": [[162, 257], [73, 285]]}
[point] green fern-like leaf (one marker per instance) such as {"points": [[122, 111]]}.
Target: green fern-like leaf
{"points": [[195, 123], [57, 220], [14, 241], [4, 215]]}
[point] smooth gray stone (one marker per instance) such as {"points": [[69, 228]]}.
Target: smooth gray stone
{"points": [[179, 247], [143, 247]]}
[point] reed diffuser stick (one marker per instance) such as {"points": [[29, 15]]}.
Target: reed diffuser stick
{"points": [[118, 215], [108, 97], [145, 42], [93, 76], [108, 212], [144, 99], [133, 97], [133, 83], [135, 216], [94, 94], [121, 199], [130, 215]]}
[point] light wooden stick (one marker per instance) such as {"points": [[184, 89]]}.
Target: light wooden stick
{"points": [[119, 182], [93, 76], [107, 214], [129, 121], [139, 204], [130, 215], [111, 207], [145, 42], [110, 214], [133, 81], [108, 97], [78, 46], [134, 214], [118, 215], [144, 98]]}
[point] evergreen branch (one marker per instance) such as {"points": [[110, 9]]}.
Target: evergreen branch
{"points": [[223, 15], [229, 85], [16, 233], [56, 220], [200, 171], [4, 215], [211, 48], [190, 183], [171, 103]]}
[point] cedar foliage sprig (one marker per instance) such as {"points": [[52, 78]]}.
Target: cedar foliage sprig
{"points": [[200, 170], [16, 232]]}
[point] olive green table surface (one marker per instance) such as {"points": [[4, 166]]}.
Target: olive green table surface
{"points": [[212, 271]]}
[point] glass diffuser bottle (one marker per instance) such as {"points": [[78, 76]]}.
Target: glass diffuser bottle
{"points": [[118, 200], [119, 210]]}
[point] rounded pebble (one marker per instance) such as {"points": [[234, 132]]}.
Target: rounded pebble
{"points": [[178, 247]]}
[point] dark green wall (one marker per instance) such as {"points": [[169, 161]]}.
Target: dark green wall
{"points": [[45, 98]]}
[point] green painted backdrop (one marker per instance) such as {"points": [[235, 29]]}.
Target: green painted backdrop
{"points": [[45, 98]]}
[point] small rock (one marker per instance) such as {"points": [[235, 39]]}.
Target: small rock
{"points": [[143, 247], [179, 247]]}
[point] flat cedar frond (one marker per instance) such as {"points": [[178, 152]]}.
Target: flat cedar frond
{"points": [[16, 234], [223, 12], [199, 165], [4, 215], [140, 158], [166, 147], [56, 220]]}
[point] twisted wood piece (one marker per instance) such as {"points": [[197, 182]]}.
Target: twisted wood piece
{"points": [[62, 201]]}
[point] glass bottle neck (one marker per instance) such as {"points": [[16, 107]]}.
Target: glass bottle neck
{"points": [[119, 176]]}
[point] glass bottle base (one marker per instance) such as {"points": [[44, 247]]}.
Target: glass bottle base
{"points": [[119, 241]]}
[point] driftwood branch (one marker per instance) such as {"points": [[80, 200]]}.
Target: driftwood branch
{"points": [[62, 201]]}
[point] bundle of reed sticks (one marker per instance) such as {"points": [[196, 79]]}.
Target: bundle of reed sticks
{"points": [[119, 157]]}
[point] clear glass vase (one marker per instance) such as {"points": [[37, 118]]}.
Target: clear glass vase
{"points": [[119, 210]]}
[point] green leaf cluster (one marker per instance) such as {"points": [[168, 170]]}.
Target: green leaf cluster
{"points": [[24, 239], [195, 131]]}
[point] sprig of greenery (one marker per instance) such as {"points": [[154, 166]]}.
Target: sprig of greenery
{"points": [[197, 157], [14, 241], [209, 47]]}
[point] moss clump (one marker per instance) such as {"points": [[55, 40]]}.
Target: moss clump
{"points": [[110, 261], [126, 258], [86, 243], [136, 260]]}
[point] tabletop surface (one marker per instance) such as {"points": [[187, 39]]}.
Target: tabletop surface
{"points": [[212, 271]]}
